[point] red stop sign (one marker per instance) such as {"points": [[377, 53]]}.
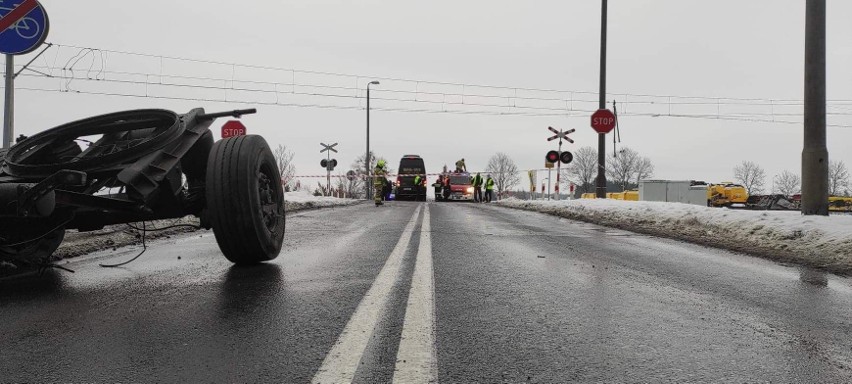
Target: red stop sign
{"points": [[603, 121], [233, 128]]}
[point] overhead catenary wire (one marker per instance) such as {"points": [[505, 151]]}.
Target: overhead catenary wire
{"points": [[275, 88], [574, 113], [411, 80], [565, 103]]}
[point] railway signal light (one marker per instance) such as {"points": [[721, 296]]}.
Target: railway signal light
{"points": [[552, 157], [556, 157], [328, 164]]}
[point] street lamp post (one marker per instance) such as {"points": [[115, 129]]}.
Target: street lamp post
{"points": [[369, 180]]}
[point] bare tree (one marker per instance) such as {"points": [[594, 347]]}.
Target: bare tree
{"points": [[284, 159], [623, 166], [838, 178], [644, 169], [583, 170], [321, 190], [341, 185], [787, 183], [504, 171], [751, 176], [356, 186]]}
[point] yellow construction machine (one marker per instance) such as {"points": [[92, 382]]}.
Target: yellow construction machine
{"points": [[726, 194]]}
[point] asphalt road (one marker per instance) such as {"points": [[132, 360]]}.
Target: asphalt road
{"points": [[418, 292]]}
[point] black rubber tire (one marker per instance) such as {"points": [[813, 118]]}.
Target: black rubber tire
{"points": [[245, 199]]}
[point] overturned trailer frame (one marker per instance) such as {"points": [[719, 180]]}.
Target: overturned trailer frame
{"points": [[162, 164]]}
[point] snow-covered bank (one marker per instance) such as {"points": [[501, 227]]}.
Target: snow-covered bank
{"points": [[295, 201], [817, 241]]}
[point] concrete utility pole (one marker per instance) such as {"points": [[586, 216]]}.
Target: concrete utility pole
{"points": [[368, 180], [601, 181], [815, 152], [9, 107]]}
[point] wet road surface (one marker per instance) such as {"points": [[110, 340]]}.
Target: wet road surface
{"points": [[418, 292]]}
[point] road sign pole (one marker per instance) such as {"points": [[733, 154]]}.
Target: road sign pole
{"points": [[548, 183], [815, 152], [328, 173], [368, 180], [601, 181], [9, 105], [558, 167], [13, 42]]}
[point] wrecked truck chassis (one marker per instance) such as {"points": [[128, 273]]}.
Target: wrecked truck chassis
{"points": [[140, 165]]}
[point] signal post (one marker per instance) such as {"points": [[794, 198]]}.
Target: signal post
{"points": [[328, 163], [559, 157]]}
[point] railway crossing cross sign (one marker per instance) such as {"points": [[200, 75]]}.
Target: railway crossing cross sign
{"points": [[561, 134], [23, 26], [326, 147], [559, 157]]}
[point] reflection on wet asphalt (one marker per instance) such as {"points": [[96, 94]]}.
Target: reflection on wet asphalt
{"points": [[518, 297]]}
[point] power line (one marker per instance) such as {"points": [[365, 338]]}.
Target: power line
{"points": [[561, 111], [421, 81], [413, 110], [459, 102]]}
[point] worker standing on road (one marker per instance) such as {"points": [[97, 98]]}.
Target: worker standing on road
{"points": [[489, 189], [438, 193], [460, 167], [477, 188], [379, 181], [388, 189], [417, 180]]}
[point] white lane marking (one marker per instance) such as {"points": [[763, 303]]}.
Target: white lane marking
{"points": [[342, 361], [415, 360]]}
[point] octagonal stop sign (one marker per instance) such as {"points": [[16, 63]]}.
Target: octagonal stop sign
{"points": [[603, 121], [233, 128]]}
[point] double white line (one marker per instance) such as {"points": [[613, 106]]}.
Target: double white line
{"points": [[415, 361]]}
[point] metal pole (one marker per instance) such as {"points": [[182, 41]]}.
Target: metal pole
{"points": [[368, 180], [548, 183], [328, 172], [815, 152], [601, 181], [9, 107], [558, 167]]}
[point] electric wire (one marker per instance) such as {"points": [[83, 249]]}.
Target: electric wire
{"points": [[574, 113], [460, 102], [144, 248], [101, 76], [165, 228], [409, 80]]}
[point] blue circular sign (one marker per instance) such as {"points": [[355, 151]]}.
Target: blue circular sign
{"points": [[27, 32]]}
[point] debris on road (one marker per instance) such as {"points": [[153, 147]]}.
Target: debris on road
{"points": [[116, 236]]}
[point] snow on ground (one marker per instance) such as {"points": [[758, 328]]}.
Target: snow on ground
{"points": [[304, 200], [818, 241]]}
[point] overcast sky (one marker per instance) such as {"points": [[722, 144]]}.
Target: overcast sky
{"points": [[706, 49]]}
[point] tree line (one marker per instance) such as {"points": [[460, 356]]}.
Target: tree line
{"points": [[624, 169], [753, 177]]}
